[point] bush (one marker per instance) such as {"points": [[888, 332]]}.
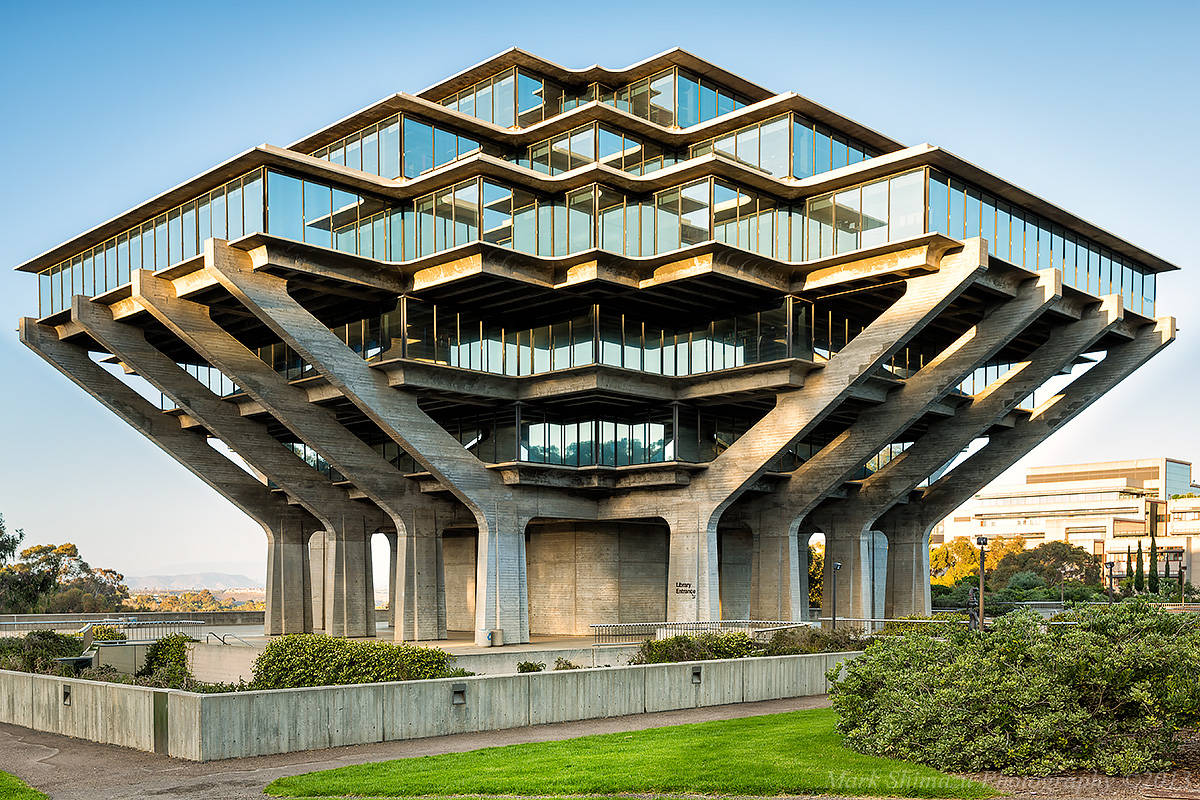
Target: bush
{"points": [[530, 666], [107, 633], [561, 663], [307, 659], [701, 647], [1107, 694], [807, 640], [36, 651], [166, 660], [951, 621]]}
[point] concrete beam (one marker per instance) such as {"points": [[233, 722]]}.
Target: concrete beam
{"points": [[283, 524]]}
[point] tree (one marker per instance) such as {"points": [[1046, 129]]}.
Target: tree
{"points": [[1152, 584], [1139, 575], [816, 568], [9, 542], [959, 558], [1128, 562], [1054, 562], [54, 578]]}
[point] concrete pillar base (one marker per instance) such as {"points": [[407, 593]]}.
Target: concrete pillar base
{"points": [[501, 599], [349, 583], [289, 580]]}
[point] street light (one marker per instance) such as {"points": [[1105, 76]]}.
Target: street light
{"points": [[982, 542], [1110, 565], [833, 591]]}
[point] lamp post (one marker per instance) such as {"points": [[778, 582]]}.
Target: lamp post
{"points": [[833, 591], [982, 542], [1110, 565]]}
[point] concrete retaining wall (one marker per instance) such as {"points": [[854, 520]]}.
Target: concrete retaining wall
{"points": [[109, 713], [204, 727]]}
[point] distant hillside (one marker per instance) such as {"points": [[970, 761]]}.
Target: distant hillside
{"points": [[214, 581]]}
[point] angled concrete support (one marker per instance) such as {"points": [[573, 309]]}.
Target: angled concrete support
{"points": [[910, 523], [877, 427], [897, 478], [693, 513], [382, 483], [396, 412], [246, 437], [287, 607]]}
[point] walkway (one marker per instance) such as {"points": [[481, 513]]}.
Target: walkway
{"points": [[72, 769]]}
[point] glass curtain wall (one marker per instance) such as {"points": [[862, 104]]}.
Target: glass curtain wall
{"points": [[594, 142], [671, 98], [962, 211], [228, 212], [787, 145], [400, 145]]}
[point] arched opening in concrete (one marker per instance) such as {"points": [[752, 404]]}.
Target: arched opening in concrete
{"points": [[316, 566], [459, 552], [383, 573], [590, 573], [813, 560]]}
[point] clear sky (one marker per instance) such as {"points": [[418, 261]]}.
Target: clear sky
{"points": [[1092, 105]]}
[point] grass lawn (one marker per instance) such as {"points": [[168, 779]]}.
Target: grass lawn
{"points": [[799, 752], [13, 788]]}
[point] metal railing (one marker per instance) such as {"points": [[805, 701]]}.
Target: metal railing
{"points": [[133, 630], [635, 632]]}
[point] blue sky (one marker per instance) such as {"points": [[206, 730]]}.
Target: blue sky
{"points": [[1092, 105]]}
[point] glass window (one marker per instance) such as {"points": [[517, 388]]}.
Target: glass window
{"points": [[529, 99], [773, 147], [389, 148], [252, 202], [418, 147], [217, 205], [610, 212], [667, 221], [725, 213], [344, 221], [353, 152], [875, 213], [505, 101], [370, 152], [445, 147], [285, 206], [802, 150], [174, 240], [905, 213], [938, 204], [708, 101], [466, 212], [694, 215], [580, 219], [582, 146], [846, 220], [688, 98], [318, 222], [958, 205], [497, 214], [822, 152], [820, 227]]}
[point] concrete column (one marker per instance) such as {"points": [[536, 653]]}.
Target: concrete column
{"points": [[419, 587], [779, 580], [289, 582], [393, 544], [862, 553], [693, 578], [349, 581], [501, 592], [908, 591]]}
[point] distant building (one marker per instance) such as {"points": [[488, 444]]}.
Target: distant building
{"points": [[1105, 507]]}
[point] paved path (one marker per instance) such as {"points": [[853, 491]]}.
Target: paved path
{"points": [[72, 769]]}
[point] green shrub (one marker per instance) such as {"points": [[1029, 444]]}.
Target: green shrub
{"points": [[952, 621], [561, 663], [107, 633], [166, 660], [701, 647], [531, 666], [307, 659], [36, 650], [1107, 694], [804, 640]]}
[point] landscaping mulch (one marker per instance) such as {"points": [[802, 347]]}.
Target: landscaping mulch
{"points": [[1180, 783]]}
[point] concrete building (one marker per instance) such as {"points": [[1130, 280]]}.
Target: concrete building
{"points": [[1105, 507], [594, 346]]}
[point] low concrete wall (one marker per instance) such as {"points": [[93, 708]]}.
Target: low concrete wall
{"points": [[109, 713], [215, 663], [209, 617], [204, 727]]}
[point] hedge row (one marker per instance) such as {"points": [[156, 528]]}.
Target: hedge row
{"points": [[318, 660]]}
